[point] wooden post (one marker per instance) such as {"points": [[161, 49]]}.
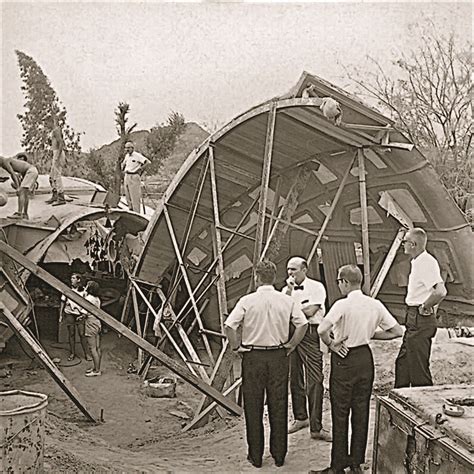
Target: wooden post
{"points": [[314, 248], [138, 324], [187, 282], [221, 291], [45, 360], [364, 220], [267, 163], [120, 328], [392, 253], [276, 205]]}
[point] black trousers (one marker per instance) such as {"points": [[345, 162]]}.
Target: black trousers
{"points": [[412, 367], [350, 387], [306, 379], [266, 372]]}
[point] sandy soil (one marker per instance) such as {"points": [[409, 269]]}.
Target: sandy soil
{"points": [[140, 434]]}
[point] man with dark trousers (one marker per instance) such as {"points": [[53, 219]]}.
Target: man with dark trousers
{"points": [[425, 291], [306, 363], [354, 321], [264, 344]]}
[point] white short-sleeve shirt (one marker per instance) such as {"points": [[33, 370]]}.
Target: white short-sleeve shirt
{"points": [[133, 162], [358, 316], [424, 274], [265, 317], [313, 292]]}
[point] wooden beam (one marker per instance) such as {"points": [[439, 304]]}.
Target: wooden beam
{"points": [[221, 290], [187, 343], [267, 163], [364, 220], [45, 360], [120, 328], [193, 424], [331, 211], [276, 205], [187, 282], [138, 324], [392, 253]]}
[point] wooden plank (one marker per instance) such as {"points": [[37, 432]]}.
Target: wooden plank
{"points": [[267, 163], [364, 220], [163, 328], [221, 290], [187, 282], [392, 253], [193, 424], [45, 360], [331, 211], [168, 362], [276, 205], [184, 337], [138, 324]]}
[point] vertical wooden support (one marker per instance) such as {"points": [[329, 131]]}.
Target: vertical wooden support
{"points": [[125, 305], [364, 220], [138, 325], [187, 282], [331, 211], [276, 204], [267, 163], [221, 291]]}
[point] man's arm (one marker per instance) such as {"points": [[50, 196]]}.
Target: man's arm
{"points": [[392, 333], [311, 309], [234, 337], [298, 335], [58, 135], [438, 293], [324, 331], [8, 167]]}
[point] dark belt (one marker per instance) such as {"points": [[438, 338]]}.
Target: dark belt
{"points": [[262, 348], [415, 320], [126, 172]]}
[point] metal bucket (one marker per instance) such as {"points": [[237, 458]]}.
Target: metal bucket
{"points": [[22, 419]]}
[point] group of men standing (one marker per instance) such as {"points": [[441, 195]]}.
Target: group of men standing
{"points": [[24, 175], [278, 333]]}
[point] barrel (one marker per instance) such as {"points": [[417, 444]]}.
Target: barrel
{"points": [[22, 425]]}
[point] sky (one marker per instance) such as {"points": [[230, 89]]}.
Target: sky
{"points": [[209, 61]]}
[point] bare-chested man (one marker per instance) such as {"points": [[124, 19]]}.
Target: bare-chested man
{"points": [[24, 176], [57, 163]]}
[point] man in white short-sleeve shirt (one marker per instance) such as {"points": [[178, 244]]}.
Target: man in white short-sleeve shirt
{"points": [[354, 321], [425, 291], [306, 363], [265, 344], [133, 166]]}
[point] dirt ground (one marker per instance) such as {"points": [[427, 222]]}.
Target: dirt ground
{"points": [[139, 433]]}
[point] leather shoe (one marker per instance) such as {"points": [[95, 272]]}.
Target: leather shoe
{"points": [[297, 425], [322, 435], [279, 462], [254, 463]]}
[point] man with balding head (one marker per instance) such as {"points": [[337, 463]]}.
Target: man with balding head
{"points": [[306, 372], [133, 167], [426, 289]]}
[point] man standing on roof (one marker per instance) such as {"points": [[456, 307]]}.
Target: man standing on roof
{"points": [[57, 162], [426, 289], [133, 167], [354, 321], [306, 374], [24, 176], [265, 344]]}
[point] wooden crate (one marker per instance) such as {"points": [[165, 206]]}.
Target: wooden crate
{"points": [[412, 435]]}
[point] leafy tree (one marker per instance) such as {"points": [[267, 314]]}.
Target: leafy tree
{"points": [[162, 140], [429, 98], [41, 101], [124, 132]]}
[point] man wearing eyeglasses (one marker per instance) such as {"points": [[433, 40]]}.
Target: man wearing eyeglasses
{"points": [[426, 289], [306, 379], [133, 166], [354, 321]]}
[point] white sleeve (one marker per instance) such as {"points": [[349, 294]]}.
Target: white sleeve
{"points": [[236, 316]]}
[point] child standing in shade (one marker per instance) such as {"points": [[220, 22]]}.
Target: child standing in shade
{"points": [[92, 329]]}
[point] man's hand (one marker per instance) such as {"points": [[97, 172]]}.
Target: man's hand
{"points": [[289, 348], [240, 351], [339, 347]]}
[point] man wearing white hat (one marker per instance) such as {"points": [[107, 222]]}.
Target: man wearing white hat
{"points": [[133, 166]]}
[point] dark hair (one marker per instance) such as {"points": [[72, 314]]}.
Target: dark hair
{"points": [[351, 273], [93, 288], [22, 157], [266, 272], [80, 278]]}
